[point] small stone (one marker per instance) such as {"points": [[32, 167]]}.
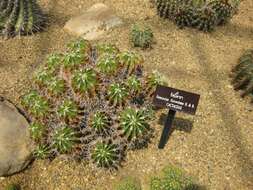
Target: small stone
{"points": [[93, 23]]}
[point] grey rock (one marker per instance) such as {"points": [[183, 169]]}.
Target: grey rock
{"points": [[15, 143], [93, 23]]}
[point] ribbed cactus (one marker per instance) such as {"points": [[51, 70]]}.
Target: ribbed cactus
{"points": [[98, 94], [20, 17], [243, 74], [204, 15]]}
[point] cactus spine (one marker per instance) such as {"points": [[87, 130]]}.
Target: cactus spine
{"points": [[20, 17]]}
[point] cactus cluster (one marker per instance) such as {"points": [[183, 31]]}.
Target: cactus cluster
{"points": [[204, 15], [20, 17], [92, 102], [242, 74]]}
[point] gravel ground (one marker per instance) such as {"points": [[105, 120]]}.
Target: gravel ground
{"points": [[215, 146]]}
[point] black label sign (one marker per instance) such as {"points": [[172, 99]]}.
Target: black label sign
{"points": [[177, 100]]}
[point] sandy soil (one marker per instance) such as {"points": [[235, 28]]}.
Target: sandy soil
{"points": [[215, 146]]}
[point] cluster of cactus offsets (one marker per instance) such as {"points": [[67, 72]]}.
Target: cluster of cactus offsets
{"points": [[243, 74], [201, 14], [91, 102], [141, 36], [20, 17]]}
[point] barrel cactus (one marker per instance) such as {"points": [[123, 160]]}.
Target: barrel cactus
{"points": [[93, 105], [243, 74], [204, 15], [20, 17]]}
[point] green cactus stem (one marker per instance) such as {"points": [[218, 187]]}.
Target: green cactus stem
{"points": [[243, 74], [20, 17]]}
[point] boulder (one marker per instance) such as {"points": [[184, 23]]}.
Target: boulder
{"points": [[93, 23], [15, 143]]}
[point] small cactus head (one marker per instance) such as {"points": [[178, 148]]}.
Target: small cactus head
{"points": [[37, 105], [133, 122], [134, 84], [42, 77], [56, 86], [107, 49], [107, 64], [42, 151], [68, 110], [37, 131], [72, 60], [117, 93], [100, 122], [80, 45], [154, 79], [53, 61], [130, 60], [85, 80], [141, 37], [64, 139], [105, 154]]}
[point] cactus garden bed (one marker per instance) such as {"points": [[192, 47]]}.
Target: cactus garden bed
{"points": [[214, 147]]}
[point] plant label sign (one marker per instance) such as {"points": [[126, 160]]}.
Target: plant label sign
{"points": [[175, 100]]}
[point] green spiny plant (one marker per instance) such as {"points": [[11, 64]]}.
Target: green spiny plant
{"points": [[37, 131], [243, 74], [223, 10], [133, 122], [105, 154], [201, 14], [184, 16], [153, 80], [42, 77], [206, 19], [130, 60], [134, 84], [172, 179], [107, 49], [68, 110], [100, 122], [42, 151], [73, 59], [117, 94], [55, 85], [141, 37], [108, 64], [85, 81], [168, 8], [96, 90], [20, 17], [13, 187], [64, 139], [53, 61], [129, 183], [37, 105], [79, 45]]}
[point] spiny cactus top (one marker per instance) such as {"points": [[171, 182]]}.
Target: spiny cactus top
{"points": [[201, 14], [243, 74], [20, 17], [91, 102]]}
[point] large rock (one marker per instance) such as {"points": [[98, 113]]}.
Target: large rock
{"points": [[92, 24], [15, 143]]}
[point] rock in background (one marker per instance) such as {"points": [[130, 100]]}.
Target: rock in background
{"points": [[15, 143], [93, 23]]}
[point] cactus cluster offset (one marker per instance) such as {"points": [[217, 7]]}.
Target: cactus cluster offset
{"points": [[204, 15], [243, 74], [20, 17], [91, 102]]}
